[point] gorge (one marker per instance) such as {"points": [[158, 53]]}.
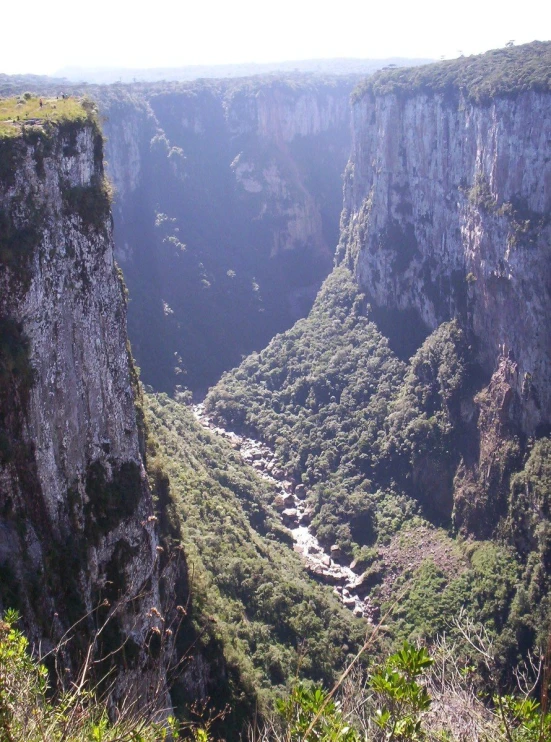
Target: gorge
{"points": [[401, 411], [226, 214]]}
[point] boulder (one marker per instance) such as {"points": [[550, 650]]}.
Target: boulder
{"points": [[279, 502], [331, 577], [306, 517], [289, 516], [300, 491], [335, 551], [315, 569], [369, 579]]}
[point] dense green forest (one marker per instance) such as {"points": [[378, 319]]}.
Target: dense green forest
{"points": [[274, 623], [500, 72], [377, 442]]}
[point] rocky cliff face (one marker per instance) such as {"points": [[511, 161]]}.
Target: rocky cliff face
{"points": [[228, 196], [77, 532], [447, 214], [455, 201]]}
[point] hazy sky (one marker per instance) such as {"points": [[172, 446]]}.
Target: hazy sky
{"points": [[42, 36]]}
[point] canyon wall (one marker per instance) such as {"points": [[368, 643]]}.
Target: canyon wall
{"points": [[447, 215], [78, 541], [228, 195]]}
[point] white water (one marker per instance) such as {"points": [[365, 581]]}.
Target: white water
{"points": [[295, 514]]}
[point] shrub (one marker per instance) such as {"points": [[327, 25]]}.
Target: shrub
{"points": [[31, 711]]}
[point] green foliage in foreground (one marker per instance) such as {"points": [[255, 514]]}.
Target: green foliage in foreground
{"points": [[275, 623], [501, 72], [404, 700], [391, 703], [30, 713], [411, 696]]}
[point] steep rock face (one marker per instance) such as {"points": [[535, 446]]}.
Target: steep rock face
{"points": [[447, 208], [447, 214], [228, 196], [76, 512]]}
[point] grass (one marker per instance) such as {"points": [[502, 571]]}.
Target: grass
{"points": [[14, 112]]}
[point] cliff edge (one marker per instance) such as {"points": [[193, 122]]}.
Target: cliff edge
{"points": [[77, 531], [447, 215], [448, 207]]}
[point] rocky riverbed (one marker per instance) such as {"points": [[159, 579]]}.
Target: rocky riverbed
{"points": [[291, 503]]}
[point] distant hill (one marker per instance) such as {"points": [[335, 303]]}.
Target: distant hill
{"points": [[14, 84], [343, 66]]}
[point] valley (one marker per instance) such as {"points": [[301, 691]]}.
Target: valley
{"points": [[275, 377], [326, 566]]}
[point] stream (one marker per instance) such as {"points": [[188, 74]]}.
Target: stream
{"points": [[290, 502]]}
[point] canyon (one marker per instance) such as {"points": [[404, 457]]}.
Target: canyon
{"points": [[406, 401], [228, 195], [326, 566]]}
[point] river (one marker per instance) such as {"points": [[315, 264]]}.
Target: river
{"points": [[290, 501]]}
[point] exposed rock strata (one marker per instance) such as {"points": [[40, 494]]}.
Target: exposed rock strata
{"points": [[447, 212], [228, 196], [76, 512]]}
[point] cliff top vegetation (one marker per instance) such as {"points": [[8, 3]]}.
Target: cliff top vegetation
{"points": [[292, 84], [27, 108], [498, 73]]}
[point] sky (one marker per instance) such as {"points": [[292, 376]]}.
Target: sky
{"points": [[42, 36]]}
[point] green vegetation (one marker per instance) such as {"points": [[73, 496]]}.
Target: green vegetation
{"points": [[348, 418], [409, 696], [498, 73], [28, 110], [483, 588], [32, 711], [92, 203], [405, 700], [412, 696], [274, 622], [378, 443]]}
